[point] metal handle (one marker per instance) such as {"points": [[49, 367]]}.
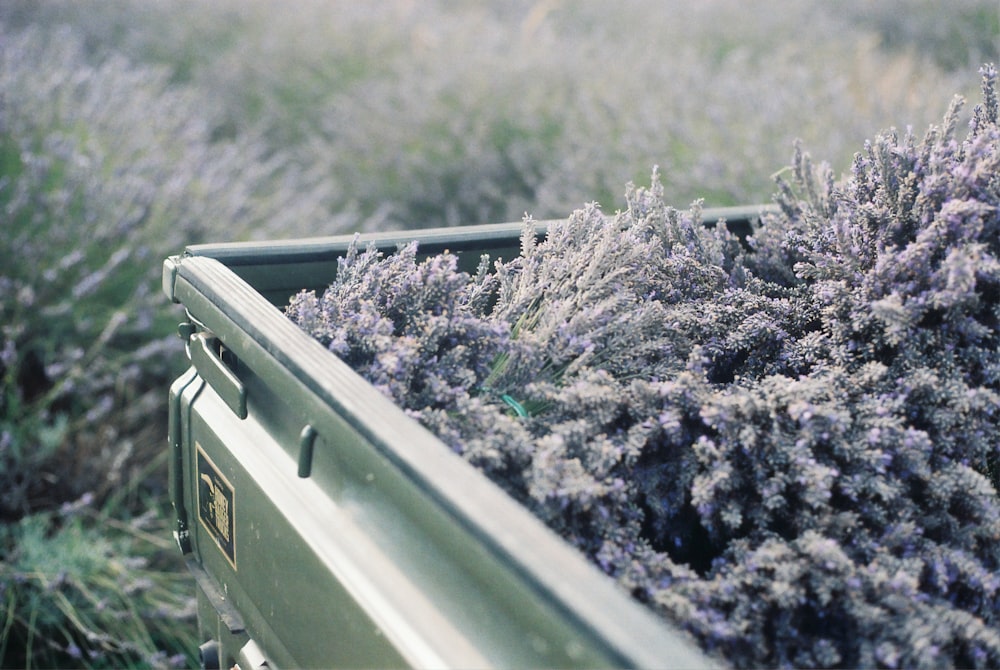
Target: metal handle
{"points": [[207, 360]]}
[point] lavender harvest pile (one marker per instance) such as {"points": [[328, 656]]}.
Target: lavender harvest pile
{"points": [[791, 450]]}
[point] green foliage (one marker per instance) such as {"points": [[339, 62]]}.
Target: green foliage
{"points": [[967, 34], [81, 589]]}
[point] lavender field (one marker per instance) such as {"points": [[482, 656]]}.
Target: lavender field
{"points": [[130, 129]]}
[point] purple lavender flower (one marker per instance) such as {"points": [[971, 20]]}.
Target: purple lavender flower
{"points": [[788, 448]]}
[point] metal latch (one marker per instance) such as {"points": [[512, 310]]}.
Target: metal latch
{"points": [[207, 357]]}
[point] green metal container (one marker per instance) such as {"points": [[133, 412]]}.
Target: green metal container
{"points": [[325, 528]]}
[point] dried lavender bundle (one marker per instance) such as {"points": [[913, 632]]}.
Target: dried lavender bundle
{"points": [[791, 452]]}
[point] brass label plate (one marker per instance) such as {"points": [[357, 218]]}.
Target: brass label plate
{"points": [[216, 505]]}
